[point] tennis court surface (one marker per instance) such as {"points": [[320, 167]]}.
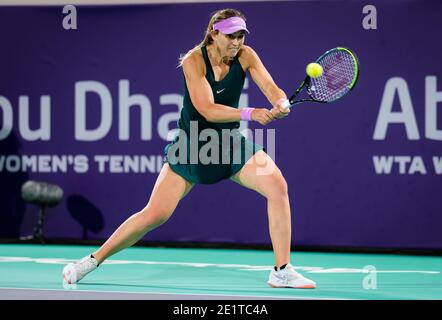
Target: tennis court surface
{"points": [[144, 273]]}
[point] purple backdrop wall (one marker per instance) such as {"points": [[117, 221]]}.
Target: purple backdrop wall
{"points": [[331, 155]]}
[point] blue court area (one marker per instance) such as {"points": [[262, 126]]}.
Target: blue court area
{"points": [[34, 272]]}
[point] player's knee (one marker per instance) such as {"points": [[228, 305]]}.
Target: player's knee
{"points": [[276, 186], [154, 216]]}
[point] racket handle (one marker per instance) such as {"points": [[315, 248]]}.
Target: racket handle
{"points": [[285, 104]]}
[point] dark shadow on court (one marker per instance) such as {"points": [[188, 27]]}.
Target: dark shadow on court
{"points": [[86, 214], [12, 207]]}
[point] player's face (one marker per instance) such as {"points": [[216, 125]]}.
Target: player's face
{"points": [[229, 44]]}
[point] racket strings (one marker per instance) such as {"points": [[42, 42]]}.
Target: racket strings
{"points": [[339, 71]]}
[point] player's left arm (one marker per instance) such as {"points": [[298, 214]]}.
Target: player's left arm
{"points": [[264, 80]]}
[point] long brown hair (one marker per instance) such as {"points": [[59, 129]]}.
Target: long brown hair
{"points": [[216, 17]]}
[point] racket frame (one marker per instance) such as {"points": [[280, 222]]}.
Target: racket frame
{"points": [[306, 82]]}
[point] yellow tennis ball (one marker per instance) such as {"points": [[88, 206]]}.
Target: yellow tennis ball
{"points": [[314, 70]]}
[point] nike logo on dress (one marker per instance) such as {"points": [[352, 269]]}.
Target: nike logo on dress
{"points": [[219, 91]]}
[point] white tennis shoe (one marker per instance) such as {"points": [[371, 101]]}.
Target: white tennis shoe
{"points": [[74, 272], [289, 278]]}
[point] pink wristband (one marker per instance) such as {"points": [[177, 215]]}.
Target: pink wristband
{"points": [[246, 113]]}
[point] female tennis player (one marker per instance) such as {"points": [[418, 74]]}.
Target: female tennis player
{"points": [[214, 73]]}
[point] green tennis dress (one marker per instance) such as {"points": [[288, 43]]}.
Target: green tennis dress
{"points": [[207, 152]]}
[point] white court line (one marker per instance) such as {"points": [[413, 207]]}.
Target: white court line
{"points": [[242, 267]]}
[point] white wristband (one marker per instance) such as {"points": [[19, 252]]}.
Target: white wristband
{"points": [[285, 104]]}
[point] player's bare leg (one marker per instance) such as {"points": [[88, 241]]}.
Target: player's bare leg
{"points": [[261, 174], [169, 189]]}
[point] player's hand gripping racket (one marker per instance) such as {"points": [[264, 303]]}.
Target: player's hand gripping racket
{"points": [[340, 73]]}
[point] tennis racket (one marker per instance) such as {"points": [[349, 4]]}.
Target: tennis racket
{"points": [[340, 74]]}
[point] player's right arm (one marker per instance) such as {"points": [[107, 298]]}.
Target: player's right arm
{"points": [[202, 96]]}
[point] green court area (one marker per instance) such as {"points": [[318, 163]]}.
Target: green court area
{"points": [[34, 272]]}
